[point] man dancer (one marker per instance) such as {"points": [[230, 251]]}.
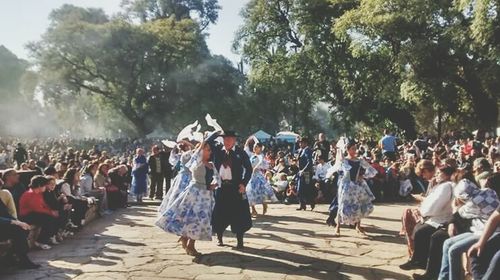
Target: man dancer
{"points": [[231, 204], [305, 188]]}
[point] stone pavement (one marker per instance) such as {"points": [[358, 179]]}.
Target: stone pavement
{"points": [[285, 244]]}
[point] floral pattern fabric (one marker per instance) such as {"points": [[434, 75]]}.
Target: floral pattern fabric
{"points": [[190, 213], [354, 196], [258, 189]]}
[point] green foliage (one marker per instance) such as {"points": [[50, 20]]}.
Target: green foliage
{"points": [[204, 11], [376, 60], [155, 74]]}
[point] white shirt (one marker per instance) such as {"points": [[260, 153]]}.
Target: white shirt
{"points": [[436, 207], [225, 172]]}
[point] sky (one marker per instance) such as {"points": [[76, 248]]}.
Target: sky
{"points": [[22, 21]]}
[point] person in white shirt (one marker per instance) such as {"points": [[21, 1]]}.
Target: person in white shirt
{"points": [[436, 209], [320, 179]]}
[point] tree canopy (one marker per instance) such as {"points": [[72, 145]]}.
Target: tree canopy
{"points": [[312, 65]]}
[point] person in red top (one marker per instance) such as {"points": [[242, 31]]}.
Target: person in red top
{"points": [[34, 211]]}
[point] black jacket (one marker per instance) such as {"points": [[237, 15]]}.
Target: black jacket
{"points": [[241, 168]]}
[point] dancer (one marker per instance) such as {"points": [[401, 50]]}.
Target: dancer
{"points": [[189, 215], [231, 203], [354, 196], [259, 191], [140, 175], [180, 154]]}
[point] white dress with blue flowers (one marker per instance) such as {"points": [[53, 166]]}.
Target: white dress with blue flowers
{"points": [[354, 196], [180, 182], [190, 214], [258, 189]]}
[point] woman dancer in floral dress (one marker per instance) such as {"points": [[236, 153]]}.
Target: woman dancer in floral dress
{"points": [[189, 215], [259, 191]]}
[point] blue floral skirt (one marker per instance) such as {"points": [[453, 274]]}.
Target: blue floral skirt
{"points": [[354, 202], [179, 184], [190, 214], [259, 190]]}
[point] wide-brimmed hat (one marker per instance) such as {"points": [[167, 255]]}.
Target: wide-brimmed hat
{"points": [[169, 144]]}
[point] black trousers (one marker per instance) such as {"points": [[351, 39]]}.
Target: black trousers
{"points": [[231, 209], [423, 235], [79, 208], [47, 223], [436, 251], [18, 236], [156, 188]]}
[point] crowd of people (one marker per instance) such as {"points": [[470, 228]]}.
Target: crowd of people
{"points": [[50, 184], [454, 180]]}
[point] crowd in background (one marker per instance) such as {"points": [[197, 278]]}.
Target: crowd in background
{"points": [[72, 175]]}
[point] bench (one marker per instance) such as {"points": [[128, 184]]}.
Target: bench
{"points": [[5, 245]]}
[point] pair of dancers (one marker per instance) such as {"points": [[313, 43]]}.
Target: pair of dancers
{"points": [[190, 209]]}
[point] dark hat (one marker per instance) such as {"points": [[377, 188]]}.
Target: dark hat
{"points": [[229, 133]]}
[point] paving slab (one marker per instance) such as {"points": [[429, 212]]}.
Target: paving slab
{"points": [[284, 245]]}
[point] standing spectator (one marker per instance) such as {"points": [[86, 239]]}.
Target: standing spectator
{"points": [[305, 187], [322, 147], [389, 146], [156, 174], [166, 168], [20, 154], [140, 175]]}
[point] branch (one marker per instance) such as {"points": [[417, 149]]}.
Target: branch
{"points": [[79, 83]]}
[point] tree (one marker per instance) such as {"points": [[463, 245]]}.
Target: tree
{"points": [[291, 48], [131, 66], [438, 50], [204, 11]]}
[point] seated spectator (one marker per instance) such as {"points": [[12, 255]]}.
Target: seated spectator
{"points": [[118, 189], [281, 167], [71, 191], [425, 170], [58, 201], [280, 185], [485, 254], [11, 183], [377, 183], [101, 182], [321, 182], [436, 210], [15, 230], [33, 167], [482, 170], [291, 193], [34, 211], [475, 206]]}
